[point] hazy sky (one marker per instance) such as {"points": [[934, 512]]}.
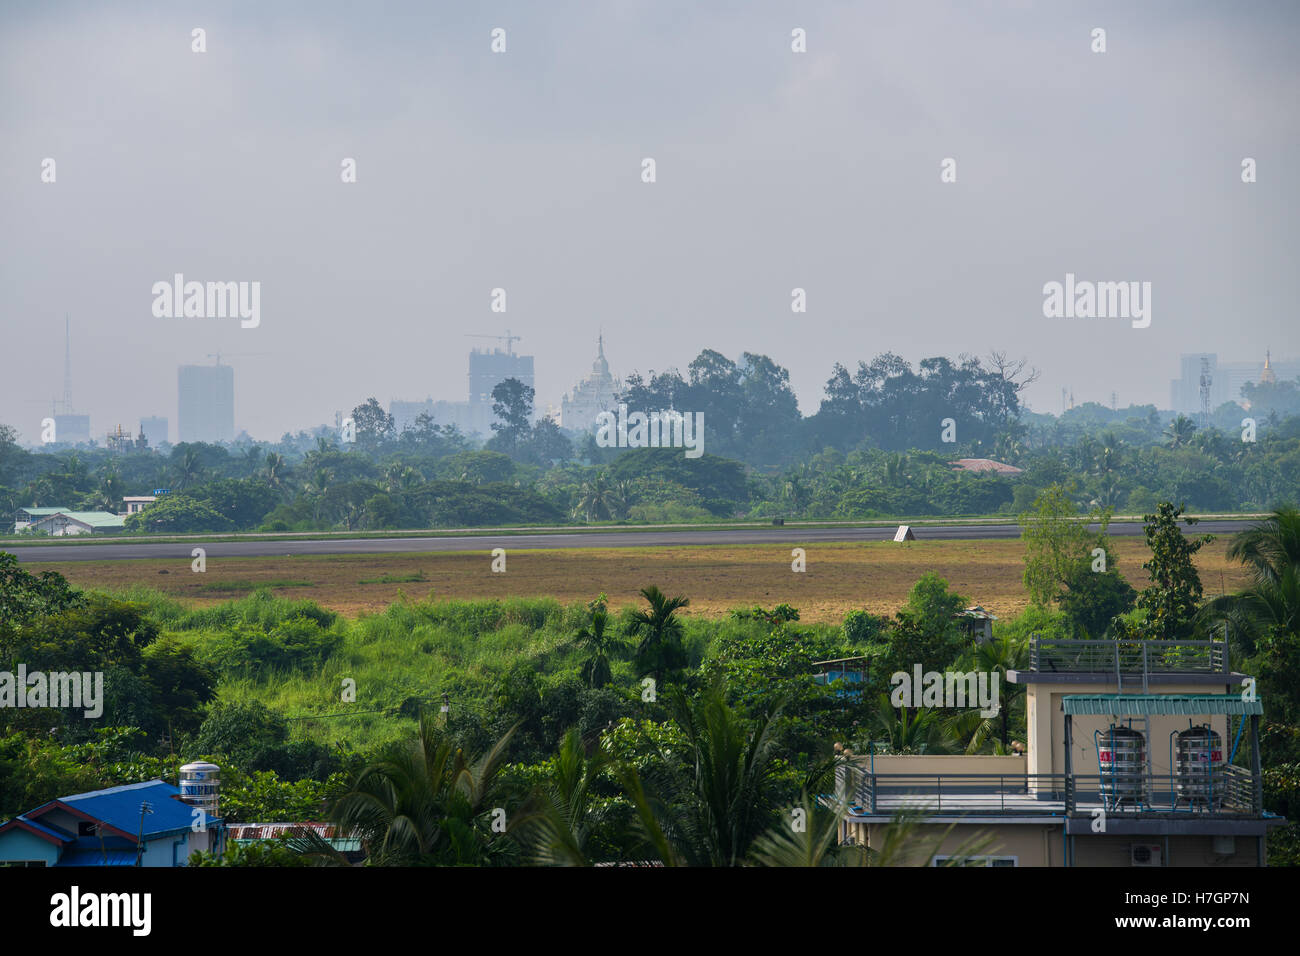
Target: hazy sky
{"points": [[522, 170]]}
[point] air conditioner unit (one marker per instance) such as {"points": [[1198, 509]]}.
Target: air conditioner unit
{"points": [[1144, 854]]}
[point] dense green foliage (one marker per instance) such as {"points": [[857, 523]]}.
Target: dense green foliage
{"points": [[875, 447], [555, 748]]}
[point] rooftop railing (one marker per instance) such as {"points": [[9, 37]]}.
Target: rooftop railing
{"points": [[1229, 791], [1047, 655]]}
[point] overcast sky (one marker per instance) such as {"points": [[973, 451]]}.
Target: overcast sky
{"points": [[522, 170]]}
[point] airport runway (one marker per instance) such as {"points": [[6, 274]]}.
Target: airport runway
{"points": [[795, 537]]}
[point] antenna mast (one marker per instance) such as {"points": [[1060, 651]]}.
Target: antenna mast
{"points": [[67, 363]]}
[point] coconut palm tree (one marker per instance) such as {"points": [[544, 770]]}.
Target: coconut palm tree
{"points": [[189, 470], [902, 841], [598, 499], [275, 469], [426, 802], [706, 807], [906, 731], [660, 651], [400, 477], [599, 644], [1268, 610], [316, 487], [1180, 431], [564, 813], [1003, 653]]}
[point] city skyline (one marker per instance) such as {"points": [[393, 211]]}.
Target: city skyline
{"points": [[478, 171]]}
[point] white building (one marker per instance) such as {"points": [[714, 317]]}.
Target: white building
{"points": [[595, 394], [65, 523]]}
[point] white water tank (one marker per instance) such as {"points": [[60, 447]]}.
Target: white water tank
{"points": [[200, 782]]}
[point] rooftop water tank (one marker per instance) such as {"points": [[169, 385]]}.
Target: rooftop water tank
{"points": [[1199, 768], [200, 782], [1121, 754]]}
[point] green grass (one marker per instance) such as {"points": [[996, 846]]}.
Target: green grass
{"points": [[412, 649], [395, 578], [227, 587]]}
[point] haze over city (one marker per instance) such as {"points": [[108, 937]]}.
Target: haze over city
{"points": [[522, 171]]}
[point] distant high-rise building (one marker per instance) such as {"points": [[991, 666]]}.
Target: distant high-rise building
{"points": [[487, 370], [154, 429], [1226, 380], [206, 403], [71, 429]]}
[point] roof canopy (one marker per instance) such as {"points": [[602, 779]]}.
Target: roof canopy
{"points": [[1191, 705]]}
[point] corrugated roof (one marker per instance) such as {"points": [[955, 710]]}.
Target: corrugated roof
{"points": [[97, 857], [120, 807], [1189, 705], [42, 511], [97, 519], [40, 828]]}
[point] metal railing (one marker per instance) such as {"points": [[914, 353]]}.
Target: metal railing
{"points": [[1010, 793], [1232, 791], [1226, 791], [1047, 655]]}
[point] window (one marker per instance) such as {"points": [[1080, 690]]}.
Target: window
{"points": [[977, 861]]}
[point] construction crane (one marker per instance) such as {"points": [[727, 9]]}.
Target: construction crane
{"points": [[509, 339], [217, 355]]}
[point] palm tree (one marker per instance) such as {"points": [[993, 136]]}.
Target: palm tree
{"points": [[1267, 612], [1003, 653], [109, 493], [425, 802], [252, 458], [316, 486], [908, 732], [275, 469], [564, 814], [189, 470], [660, 650], [40, 492], [598, 499], [400, 477], [902, 841], [599, 644], [706, 807], [1180, 431]]}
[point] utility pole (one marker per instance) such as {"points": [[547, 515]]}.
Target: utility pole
{"points": [[139, 842]]}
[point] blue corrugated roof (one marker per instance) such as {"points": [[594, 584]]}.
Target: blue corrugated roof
{"points": [[97, 857], [37, 825], [120, 807]]}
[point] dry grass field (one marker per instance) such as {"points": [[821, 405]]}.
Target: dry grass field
{"points": [[840, 577]]}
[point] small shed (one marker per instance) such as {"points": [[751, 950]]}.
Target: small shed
{"points": [[978, 623]]}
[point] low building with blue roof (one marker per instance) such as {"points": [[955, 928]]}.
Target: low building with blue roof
{"points": [[103, 828]]}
